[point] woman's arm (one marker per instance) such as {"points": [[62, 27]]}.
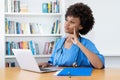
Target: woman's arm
{"points": [[93, 58]]}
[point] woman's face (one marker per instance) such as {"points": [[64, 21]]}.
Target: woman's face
{"points": [[71, 23]]}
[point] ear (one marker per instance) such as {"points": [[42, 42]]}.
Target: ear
{"points": [[80, 27]]}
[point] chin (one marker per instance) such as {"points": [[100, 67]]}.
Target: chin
{"points": [[66, 31]]}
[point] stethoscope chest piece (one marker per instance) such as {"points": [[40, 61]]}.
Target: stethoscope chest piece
{"points": [[74, 64]]}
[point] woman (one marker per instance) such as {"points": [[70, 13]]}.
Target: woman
{"points": [[74, 50]]}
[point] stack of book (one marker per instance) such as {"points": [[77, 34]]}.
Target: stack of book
{"points": [[12, 5], [51, 7], [56, 27], [10, 64], [22, 45], [13, 27], [15, 6], [48, 47]]}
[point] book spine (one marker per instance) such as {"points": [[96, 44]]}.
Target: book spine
{"points": [[6, 26], [37, 48], [31, 47], [12, 5], [17, 6], [45, 7], [9, 5], [8, 46], [6, 5]]}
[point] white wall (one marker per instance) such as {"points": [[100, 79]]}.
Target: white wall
{"points": [[2, 46], [112, 61], [106, 32]]}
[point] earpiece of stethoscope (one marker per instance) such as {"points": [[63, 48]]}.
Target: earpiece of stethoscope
{"points": [[74, 64]]}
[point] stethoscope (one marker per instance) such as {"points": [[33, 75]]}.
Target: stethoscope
{"points": [[59, 50]]}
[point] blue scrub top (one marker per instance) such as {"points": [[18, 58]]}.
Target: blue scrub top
{"points": [[66, 57]]}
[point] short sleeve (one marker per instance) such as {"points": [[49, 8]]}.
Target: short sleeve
{"points": [[89, 45]]}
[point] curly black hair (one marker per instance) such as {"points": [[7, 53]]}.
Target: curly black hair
{"points": [[84, 13]]}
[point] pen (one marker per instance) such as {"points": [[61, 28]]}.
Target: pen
{"points": [[69, 75]]}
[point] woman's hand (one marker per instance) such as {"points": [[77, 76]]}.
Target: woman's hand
{"points": [[43, 64], [73, 37]]}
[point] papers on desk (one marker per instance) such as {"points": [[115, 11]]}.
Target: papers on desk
{"points": [[75, 72]]}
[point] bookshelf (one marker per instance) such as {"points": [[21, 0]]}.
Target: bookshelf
{"points": [[24, 22]]}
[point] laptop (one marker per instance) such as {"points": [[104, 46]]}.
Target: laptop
{"points": [[27, 61]]}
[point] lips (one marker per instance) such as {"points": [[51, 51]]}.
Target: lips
{"points": [[66, 28]]}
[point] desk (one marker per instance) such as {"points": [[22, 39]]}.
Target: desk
{"points": [[18, 74]]}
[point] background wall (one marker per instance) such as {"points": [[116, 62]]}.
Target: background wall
{"points": [[1, 33], [106, 28]]}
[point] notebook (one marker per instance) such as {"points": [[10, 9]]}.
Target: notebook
{"points": [[27, 61], [75, 72]]}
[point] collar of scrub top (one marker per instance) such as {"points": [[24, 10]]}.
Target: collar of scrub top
{"points": [[61, 43]]}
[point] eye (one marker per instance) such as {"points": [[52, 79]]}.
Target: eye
{"points": [[66, 19], [72, 22]]}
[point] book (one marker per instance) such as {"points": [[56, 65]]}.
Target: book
{"points": [[45, 7], [23, 8], [50, 48], [50, 7], [32, 47], [17, 6], [12, 64], [6, 26], [8, 48], [9, 5], [37, 48], [7, 64], [46, 47]]}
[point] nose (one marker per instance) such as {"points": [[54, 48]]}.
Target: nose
{"points": [[66, 23]]}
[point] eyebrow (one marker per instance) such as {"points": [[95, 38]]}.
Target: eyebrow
{"points": [[70, 19]]}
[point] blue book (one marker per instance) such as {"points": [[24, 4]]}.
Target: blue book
{"points": [[45, 7], [57, 6], [31, 47], [56, 26], [8, 48], [12, 64], [18, 27], [75, 72]]}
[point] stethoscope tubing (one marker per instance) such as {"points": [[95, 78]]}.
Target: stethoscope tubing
{"points": [[75, 64]]}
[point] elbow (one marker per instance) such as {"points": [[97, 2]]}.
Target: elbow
{"points": [[100, 66]]}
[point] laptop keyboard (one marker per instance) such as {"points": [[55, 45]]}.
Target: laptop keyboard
{"points": [[44, 69], [49, 69]]}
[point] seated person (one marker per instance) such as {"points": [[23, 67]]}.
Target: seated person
{"points": [[73, 49]]}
